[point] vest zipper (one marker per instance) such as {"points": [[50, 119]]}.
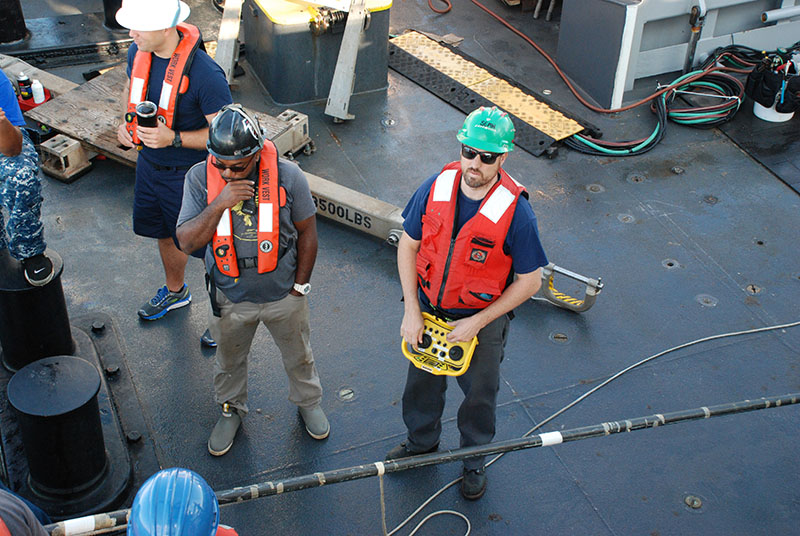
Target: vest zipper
{"points": [[454, 235]]}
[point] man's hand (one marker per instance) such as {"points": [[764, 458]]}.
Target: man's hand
{"points": [[10, 137], [412, 328], [123, 137], [464, 329], [235, 191], [156, 137]]}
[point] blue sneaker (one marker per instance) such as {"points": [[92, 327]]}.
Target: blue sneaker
{"points": [[207, 340], [165, 301]]}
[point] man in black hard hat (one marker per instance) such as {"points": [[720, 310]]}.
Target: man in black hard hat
{"points": [[256, 213]]}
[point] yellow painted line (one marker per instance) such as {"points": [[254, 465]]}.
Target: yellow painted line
{"points": [[510, 98]]}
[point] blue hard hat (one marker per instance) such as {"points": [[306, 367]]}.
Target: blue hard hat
{"points": [[174, 502]]}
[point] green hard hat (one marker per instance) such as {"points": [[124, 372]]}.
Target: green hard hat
{"points": [[488, 129]]}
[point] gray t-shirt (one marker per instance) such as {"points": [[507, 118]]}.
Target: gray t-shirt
{"points": [[17, 517], [250, 285]]}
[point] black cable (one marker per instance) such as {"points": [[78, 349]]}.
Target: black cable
{"points": [[723, 88]]}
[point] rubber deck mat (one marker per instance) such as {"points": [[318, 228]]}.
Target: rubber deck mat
{"points": [[467, 84]]}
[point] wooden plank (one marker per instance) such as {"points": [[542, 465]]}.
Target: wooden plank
{"points": [[92, 111], [13, 66], [227, 40]]}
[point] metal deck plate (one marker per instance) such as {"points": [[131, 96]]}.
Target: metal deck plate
{"points": [[775, 145]]}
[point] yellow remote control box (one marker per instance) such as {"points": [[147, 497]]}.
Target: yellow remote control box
{"points": [[435, 354]]}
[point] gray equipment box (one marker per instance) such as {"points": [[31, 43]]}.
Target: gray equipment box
{"points": [[296, 66]]}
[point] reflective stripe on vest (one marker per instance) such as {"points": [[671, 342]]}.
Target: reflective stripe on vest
{"points": [[271, 197], [176, 79], [471, 270]]}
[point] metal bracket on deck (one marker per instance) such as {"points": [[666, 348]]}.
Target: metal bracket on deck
{"points": [[593, 288], [295, 137], [344, 76]]}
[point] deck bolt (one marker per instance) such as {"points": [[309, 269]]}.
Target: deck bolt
{"points": [[345, 393], [133, 436], [636, 177], [677, 170], [595, 188], [753, 289], [694, 502], [98, 326], [559, 338], [706, 300]]}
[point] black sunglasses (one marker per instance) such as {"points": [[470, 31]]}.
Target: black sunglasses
{"points": [[487, 158], [234, 169]]}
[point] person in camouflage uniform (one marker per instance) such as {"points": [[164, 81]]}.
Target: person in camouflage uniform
{"points": [[21, 192]]}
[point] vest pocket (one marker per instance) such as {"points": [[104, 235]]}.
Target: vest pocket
{"points": [[424, 267], [431, 225], [478, 293], [477, 252]]}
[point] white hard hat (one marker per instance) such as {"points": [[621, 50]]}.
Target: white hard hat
{"points": [[151, 15]]}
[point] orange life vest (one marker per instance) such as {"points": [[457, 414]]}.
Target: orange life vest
{"points": [[176, 79], [4, 529], [271, 197], [470, 270], [224, 530]]}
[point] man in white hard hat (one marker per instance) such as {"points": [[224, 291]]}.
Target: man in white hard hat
{"points": [[167, 67]]}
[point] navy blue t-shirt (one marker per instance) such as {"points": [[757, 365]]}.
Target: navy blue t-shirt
{"points": [[208, 92], [522, 240], [9, 102]]}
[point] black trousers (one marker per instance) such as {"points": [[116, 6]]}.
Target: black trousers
{"points": [[424, 396]]}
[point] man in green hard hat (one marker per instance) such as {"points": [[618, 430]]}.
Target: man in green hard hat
{"points": [[469, 254]]}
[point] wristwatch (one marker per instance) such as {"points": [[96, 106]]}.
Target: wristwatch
{"points": [[176, 141], [303, 289]]}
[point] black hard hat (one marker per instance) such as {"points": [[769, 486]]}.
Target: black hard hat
{"points": [[234, 134]]}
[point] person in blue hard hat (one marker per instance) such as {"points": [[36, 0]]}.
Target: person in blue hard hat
{"points": [[176, 502], [470, 253]]}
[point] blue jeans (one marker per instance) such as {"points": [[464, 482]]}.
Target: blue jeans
{"points": [[424, 397], [21, 196]]}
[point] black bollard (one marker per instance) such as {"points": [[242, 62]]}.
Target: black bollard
{"points": [[12, 22], [55, 400], [33, 320], [110, 8]]}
